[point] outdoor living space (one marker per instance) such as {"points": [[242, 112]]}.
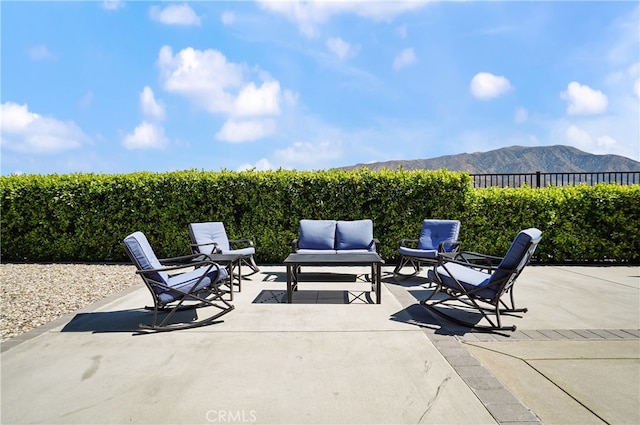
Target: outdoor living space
{"points": [[333, 356]]}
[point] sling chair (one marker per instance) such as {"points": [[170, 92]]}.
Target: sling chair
{"points": [[177, 284], [435, 236], [211, 238], [473, 283]]}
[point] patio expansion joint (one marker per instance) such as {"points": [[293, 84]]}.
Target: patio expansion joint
{"points": [[499, 401], [450, 340]]}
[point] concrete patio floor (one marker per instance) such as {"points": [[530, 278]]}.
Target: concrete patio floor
{"points": [[331, 357]]}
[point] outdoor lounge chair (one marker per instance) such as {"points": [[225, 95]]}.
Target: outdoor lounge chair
{"points": [[435, 236], [471, 282], [211, 237], [177, 284]]}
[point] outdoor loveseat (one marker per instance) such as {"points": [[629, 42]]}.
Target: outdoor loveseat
{"points": [[335, 237], [334, 243]]}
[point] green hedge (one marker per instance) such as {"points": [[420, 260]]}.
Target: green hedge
{"points": [[84, 217], [598, 223]]}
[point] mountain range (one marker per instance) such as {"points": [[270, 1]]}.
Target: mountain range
{"points": [[515, 159]]}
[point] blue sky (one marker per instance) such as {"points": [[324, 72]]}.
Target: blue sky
{"points": [[118, 87]]}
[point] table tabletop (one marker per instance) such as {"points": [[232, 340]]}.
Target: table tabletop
{"points": [[339, 258], [225, 257]]}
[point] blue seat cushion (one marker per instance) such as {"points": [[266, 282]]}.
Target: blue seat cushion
{"points": [[356, 234], [144, 256], [317, 234], [418, 253], [434, 232], [469, 278], [246, 252], [205, 233], [354, 251], [185, 281], [522, 247], [315, 251]]}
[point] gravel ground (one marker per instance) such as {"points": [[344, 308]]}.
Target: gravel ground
{"points": [[35, 294]]}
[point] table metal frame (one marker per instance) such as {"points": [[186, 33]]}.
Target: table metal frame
{"points": [[372, 259]]}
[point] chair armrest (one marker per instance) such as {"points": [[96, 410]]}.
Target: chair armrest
{"points": [[294, 245], [376, 243], [241, 241], [185, 259], [471, 259], [449, 246], [195, 245], [407, 242], [195, 264]]}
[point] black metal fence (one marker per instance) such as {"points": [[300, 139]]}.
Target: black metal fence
{"points": [[540, 179]]}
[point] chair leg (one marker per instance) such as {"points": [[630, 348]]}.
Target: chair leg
{"points": [[213, 298], [250, 262], [473, 305], [403, 262]]}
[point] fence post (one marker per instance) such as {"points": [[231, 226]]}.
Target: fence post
{"points": [[537, 178]]}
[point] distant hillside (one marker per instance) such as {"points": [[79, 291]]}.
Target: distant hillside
{"points": [[516, 159]]}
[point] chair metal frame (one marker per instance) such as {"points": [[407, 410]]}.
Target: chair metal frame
{"points": [[417, 262], [475, 298], [208, 296], [234, 244]]}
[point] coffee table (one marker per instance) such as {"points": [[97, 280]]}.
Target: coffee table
{"points": [[294, 261]]}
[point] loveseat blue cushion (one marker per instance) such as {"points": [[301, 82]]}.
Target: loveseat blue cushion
{"points": [[354, 235], [353, 251], [315, 251], [317, 234]]}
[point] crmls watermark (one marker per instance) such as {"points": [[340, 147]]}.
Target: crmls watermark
{"points": [[231, 416]]}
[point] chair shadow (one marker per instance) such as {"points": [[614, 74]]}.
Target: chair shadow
{"points": [[121, 321], [418, 315], [420, 288]]}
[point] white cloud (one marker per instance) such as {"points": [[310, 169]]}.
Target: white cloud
{"points": [[338, 46], [404, 59], [583, 100], [485, 85], [261, 165], [150, 107], [578, 137], [305, 153], [310, 15], [40, 52], [227, 17], [246, 131], [86, 100], [146, 136], [402, 31], [211, 82], [175, 15], [633, 71], [583, 140], [204, 76], [112, 4], [28, 132], [258, 101], [521, 115]]}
